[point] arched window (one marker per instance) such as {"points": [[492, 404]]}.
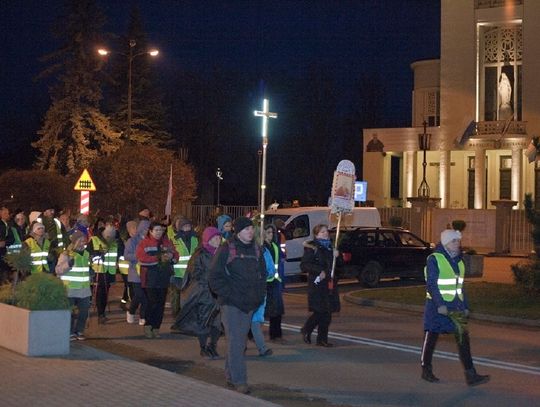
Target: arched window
{"points": [[500, 72]]}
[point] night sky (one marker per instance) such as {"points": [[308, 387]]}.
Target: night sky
{"points": [[254, 37]]}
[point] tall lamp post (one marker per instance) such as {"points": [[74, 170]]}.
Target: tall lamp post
{"points": [[130, 56], [424, 141], [259, 155], [265, 114], [219, 176]]}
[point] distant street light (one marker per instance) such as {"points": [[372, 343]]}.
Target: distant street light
{"points": [[424, 141], [130, 56], [219, 176]]}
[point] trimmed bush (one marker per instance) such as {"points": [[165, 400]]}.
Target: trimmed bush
{"points": [[40, 292]]}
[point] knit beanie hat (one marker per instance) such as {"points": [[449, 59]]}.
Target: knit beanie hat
{"points": [[241, 223], [183, 222], [448, 235]]}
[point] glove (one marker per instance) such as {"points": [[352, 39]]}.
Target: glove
{"points": [[466, 313], [442, 309]]}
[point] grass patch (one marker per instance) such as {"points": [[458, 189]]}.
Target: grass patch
{"points": [[484, 298]]}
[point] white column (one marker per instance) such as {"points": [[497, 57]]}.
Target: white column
{"points": [[479, 177], [444, 178], [409, 165], [517, 164]]}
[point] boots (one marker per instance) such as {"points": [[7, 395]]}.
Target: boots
{"points": [[428, 376], [474, 379], [306, 336], [155, 333], [148, 332], [212, 350]]}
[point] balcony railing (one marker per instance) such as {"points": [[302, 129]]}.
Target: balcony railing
{"points": [[498, 127], [496, 3]]}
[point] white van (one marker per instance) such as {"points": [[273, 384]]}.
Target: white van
{"points": [[299, 223]]}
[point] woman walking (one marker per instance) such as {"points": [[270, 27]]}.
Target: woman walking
{"points": [[274, 282], [156, 255], [323, 298], [199, 312]]}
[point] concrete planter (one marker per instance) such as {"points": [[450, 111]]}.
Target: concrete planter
{"points": [[474, 265], [34, 333]]}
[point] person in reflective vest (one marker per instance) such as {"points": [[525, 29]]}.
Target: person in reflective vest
{"points": [[446, 306], [185, 241], [56, 232], [73, 268], [19, 231], [123, 267], [39, 248], [104, 249], [274, 283], [6, 239]]}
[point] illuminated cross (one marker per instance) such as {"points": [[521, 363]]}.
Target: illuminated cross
{"points": [[265, 114]]}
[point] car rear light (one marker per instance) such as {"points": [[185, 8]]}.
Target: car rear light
{"points": [[347, 257]]}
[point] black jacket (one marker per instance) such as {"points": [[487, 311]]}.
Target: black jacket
{"points": [[318, 258], [242, 282]]}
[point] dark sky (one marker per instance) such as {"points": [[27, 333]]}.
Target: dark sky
{"points": [[252, 36]]}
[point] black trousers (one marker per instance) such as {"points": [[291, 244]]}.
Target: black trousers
{"points": [[102, 292], [155, 306], [138, 298], [128, 294], [322, 320], [464, 349], [275, 327]]}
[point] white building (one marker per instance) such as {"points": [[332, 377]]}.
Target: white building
{"points": [[489, 73]]}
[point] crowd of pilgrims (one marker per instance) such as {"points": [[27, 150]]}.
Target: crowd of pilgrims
{"points": [[154, 260]]}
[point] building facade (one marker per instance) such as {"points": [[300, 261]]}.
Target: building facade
{"points": [[481, 106]]}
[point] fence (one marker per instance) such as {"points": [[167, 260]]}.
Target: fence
{"points": [[520, 233], [204, 214], [403, 213]]}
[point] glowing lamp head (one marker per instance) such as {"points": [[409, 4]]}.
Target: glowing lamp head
{"points": [[153, 52], [103, 52]]}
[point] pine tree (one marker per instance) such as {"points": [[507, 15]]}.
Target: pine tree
{"points": [[75, 131], [147, 110]]}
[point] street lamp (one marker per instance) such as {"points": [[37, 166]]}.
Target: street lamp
{"points": [[424, 141], [130, 56], [219, 176], [259, 155]]}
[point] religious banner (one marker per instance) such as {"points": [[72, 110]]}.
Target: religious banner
{"points": [[343, 187]]}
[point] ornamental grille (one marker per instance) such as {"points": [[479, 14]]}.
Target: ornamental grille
{"points": [[503, 44]]}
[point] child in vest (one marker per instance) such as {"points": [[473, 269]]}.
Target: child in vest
{"points": [[73, 268]]}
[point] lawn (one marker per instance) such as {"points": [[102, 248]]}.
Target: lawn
{"points": [[484, 298]]}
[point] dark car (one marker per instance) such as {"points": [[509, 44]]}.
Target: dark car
{"points": [[370, 254]]}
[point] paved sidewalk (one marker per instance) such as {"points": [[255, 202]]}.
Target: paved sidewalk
{"points": [[91, 377]]}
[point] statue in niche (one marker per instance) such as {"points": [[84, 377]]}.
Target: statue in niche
{"points": [[374, 145], [505, 95]]}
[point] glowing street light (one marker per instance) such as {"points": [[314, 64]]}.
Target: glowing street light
{"points": [[130, 56]]}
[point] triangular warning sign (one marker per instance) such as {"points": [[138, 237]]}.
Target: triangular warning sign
{"points": [[85, 183]]}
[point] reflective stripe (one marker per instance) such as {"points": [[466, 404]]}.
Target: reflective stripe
{"points": [[111, 254], [73, 278], [109, 263], [123, 265], [38, 262], [39, 254], [79, 269], [452, 292], [446, 281], [184, 258], [180, 266], [149, 264]]}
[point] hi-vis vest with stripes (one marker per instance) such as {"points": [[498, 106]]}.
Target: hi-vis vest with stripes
{"points": [[184, 255], [59, 236], [275, 257], [449, 283], [38, 254], [17, 244], [123, 265], [110, 259], [78, 276]]}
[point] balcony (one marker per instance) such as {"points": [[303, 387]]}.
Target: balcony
{"points": [[498, 127], [496, 3]]}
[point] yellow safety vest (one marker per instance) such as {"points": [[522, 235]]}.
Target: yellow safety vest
{"points": [[39, 255], [449, 283], [78, 276], [276, 276], [17, 244], [184, 255], [110, 259]]}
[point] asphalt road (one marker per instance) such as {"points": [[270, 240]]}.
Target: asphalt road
{"points": [[375, 361]]}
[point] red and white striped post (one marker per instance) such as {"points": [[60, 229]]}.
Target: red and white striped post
{"points": [[85, 202]]}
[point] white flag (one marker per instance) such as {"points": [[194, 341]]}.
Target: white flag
{"points": [[168, 205]]}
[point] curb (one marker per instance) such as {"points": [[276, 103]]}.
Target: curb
{"points": [[366, 302]]}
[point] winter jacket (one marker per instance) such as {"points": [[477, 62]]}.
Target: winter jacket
{"points": [[242, 281], [318, 258], [433, 321], [200, 310], [130, 252], [154, 272], [274, 289]]}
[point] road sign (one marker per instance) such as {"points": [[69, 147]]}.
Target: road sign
{"points": [[360, 191], [85, 183]]}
